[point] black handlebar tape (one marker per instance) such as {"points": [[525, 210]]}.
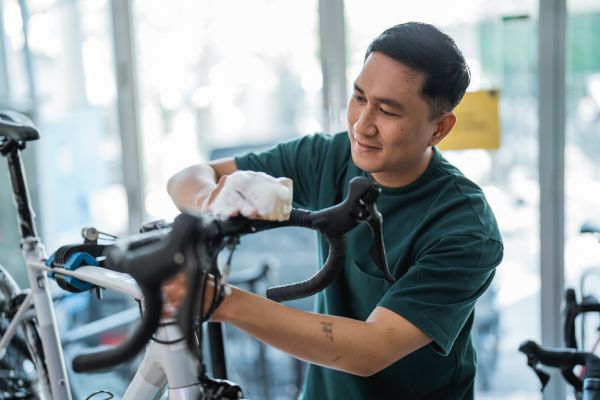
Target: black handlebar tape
{"points": [[560, 358], [592, 307], [195, 284], [134, 343], [319, 281], [571, 312], [333, 223]]}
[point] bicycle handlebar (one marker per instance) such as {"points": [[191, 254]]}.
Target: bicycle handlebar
{"points": [[195, 240], [564, 359], [558, 358]]}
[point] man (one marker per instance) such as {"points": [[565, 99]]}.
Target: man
{"points": [[371, 339]]}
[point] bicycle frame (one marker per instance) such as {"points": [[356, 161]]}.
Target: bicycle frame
{"points": [[33, 251], [162, 364]]}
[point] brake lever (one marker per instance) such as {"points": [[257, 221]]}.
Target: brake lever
{"points": [[542, 376], [527, 348], [368, 213]]}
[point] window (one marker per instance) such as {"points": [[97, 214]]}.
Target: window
{"points": [[212, 78], [499, 42]]}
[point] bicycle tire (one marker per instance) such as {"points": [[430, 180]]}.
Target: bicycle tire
{"points": [[23, 373]]}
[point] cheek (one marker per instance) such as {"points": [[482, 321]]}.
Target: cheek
{"points": [[393, 136], [351, 115]]}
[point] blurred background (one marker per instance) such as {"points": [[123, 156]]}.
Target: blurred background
{"points": [[127, 92]]}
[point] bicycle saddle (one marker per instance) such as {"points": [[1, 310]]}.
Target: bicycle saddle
{"points": [[17, 127]]}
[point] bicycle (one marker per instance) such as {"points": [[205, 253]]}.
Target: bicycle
{"points": [[137, 266], [586, 384]]}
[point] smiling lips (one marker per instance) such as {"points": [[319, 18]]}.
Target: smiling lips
{"points": [[364, 146]]}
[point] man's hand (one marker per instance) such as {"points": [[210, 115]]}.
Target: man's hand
{"points": [[251, 194], [174, 291]]}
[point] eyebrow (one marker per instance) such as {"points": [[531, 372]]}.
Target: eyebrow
{"points": [[383, 100]]}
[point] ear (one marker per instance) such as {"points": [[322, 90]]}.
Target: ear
{"points": [[444, 125]]}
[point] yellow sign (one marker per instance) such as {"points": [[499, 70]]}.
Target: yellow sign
{"points": [[477, 122]]}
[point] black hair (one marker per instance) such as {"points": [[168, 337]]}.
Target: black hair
{"points": [[424, 48]]}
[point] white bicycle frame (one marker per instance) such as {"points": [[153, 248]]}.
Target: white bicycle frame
{"points": [[163, 364]]}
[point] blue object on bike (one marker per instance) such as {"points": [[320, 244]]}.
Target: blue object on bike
{"points": [[75, 261]]}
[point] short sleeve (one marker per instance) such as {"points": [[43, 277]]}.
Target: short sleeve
{"points": [[438, 293], [299, 159]]}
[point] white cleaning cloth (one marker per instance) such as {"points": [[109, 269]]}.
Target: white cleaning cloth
{"points": [[249, 192]]}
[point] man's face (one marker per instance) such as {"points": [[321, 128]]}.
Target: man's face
{"points": [[388, 121]]}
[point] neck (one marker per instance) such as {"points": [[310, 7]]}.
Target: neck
{"points": [[404, 177]]}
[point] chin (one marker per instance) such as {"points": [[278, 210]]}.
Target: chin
{"points": [[365, 166]]}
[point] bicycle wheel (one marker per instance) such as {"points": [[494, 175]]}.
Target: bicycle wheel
{"points": [[22, 369]]}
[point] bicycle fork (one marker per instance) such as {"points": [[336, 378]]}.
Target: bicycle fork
{"points": [[166, 362]]}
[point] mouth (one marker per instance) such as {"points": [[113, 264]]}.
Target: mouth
{"points": [[366, 146]]}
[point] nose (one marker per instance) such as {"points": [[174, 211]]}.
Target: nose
{"points": [[365, 124]]}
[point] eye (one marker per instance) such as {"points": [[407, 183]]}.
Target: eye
{"points": [[358, 98], [387, 113]]}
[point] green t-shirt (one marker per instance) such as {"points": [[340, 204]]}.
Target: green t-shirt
{"points": [[442, 245]]}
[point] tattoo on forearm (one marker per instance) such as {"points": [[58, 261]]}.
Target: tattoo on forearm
{"points": [[328, 330]]}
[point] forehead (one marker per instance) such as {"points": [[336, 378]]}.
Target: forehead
{"points": [[381, 75]]}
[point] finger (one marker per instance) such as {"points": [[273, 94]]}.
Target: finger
{"points": [[174, 289], [214, 193]]}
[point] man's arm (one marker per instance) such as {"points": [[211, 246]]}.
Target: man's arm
{"points": [[192, 186], [357, 347]]}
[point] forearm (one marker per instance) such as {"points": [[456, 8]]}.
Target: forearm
{"points": [[190, 187], [335, 342]]}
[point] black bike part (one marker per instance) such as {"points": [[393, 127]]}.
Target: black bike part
{"points": [[20, 192], [558, 358], [221, 389], [571, 312], [17, 127], [194, 302], [217, 350], [333, 223], [565, 359], [377, 250], [134, 343], [153, 257], [359, 206], [319, 281], [116, 258], [201, 270], [149, 266], [340, 218]]}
